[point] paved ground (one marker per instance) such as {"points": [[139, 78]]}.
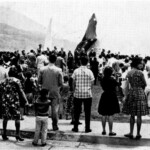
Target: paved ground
{"points": [[66, 139], [63, 145]]}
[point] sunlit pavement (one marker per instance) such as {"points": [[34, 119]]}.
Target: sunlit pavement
{"points": [[66, 139], [62, 145]]}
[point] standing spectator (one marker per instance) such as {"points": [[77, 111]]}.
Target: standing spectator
{"points": [[41, 61], [29, 88], [41, 111], [50, 78], [60, 62], [64, 92], [12, 95], [3, 75], [108, 104], [63, 53], [147, 89], [70, 62], [135, 100], [94, 67], [83, 80], [31, 59]]}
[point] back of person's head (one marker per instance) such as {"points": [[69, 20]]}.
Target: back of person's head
{"points": [[1, 61], [43, 92], [52, 58], [108, 71], [29, 74], [84, 60], [66, 78], [13, 72], [59, 54], [135, 62]]}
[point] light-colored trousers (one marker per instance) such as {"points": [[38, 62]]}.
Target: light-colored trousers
{"points": [[41, 127]]}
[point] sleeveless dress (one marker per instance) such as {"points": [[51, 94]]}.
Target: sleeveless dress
{"points": [[108, 104], [10, 98], [136, 102]]}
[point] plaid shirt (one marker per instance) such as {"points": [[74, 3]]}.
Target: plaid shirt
{"points": [[83, 78]]}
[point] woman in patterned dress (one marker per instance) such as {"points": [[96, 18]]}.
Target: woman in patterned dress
{"points": [[12, 93], [135, 101]]}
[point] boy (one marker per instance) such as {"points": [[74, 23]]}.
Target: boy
{"points": [[41, 111]]}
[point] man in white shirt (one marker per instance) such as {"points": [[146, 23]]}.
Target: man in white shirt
{"points": [[41, 61]]}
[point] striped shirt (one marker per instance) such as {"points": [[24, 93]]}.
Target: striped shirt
{"points": [[83, 78]]}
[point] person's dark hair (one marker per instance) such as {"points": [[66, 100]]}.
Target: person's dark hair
{"points": [[13, 72], [136, 61], [28, 74], [43, 92], [1, 61], [108, 71], [52, 58], [66, 79], [84, 60]]}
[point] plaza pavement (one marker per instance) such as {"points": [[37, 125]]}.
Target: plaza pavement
{"points": [[94, 137]]}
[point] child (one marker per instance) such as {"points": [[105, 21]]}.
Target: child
{"points": [[64, 92], [29, 90], [41, 111]]}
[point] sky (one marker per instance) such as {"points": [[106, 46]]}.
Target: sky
{"points": [[123, 25]]}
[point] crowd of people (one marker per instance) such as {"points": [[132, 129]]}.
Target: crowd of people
{"points": [[55, 84]]}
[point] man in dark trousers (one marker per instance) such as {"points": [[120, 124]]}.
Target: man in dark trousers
{"points": [[83, 80]]}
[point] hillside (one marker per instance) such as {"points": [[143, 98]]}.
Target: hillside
{"points": [[13, 39], [19, 21], [16, 39]]}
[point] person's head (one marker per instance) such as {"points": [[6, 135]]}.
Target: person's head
{"points": [[13, 72], [1, 61], [28, 75], [84, 60], [137, 63], [66, 79], [52, 58], [44, 93], [108, 71], [40, 46]]}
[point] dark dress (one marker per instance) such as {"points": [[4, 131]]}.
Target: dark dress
{"points": [[108, 104], [136, 102]]}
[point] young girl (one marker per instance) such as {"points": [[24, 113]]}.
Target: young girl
{"points": [[108, 104], [41, 111]]}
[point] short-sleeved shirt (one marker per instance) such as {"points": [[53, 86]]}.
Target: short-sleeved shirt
{"points": [[83, 78]]}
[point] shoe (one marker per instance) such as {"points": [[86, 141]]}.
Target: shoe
{"points": [[104, 133], [18, 138], [4, 137], [60, 116], [79, 123], [22, 118], [138, 137], [72, 122], [55, 128], [44, 144], [75, 129], [112, 134], [129, 136], [88, 130], [34, 144]]}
